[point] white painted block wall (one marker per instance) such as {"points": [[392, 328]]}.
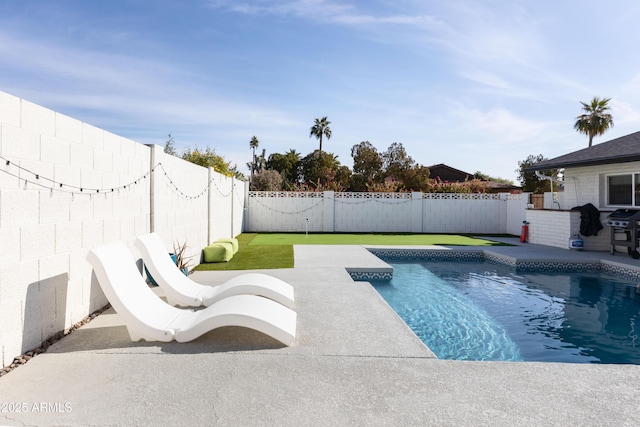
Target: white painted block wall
{"points": [[45, 230], [281, 212], [373, 214], [46, 284], [384, 212]]}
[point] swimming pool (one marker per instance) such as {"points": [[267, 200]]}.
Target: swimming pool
{"points": [[485, 311]]}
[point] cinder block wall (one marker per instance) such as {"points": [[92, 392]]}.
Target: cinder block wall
{"points": [[552, 228], [47, 229], [451, 213], [373, 212], [226, 218], [385, 212], [180, 203], [270, 211]]}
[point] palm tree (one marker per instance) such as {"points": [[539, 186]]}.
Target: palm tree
{"points": [[253, 144], [320, 127], [596, 119]]}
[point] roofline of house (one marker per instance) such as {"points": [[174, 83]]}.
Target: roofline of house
{"points": [[451, 168], [580, 163]]}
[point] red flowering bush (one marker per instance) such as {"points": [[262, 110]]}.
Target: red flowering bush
{"points": [[437, 185]]}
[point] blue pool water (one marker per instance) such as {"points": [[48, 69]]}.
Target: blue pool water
{"points": [[483, 311]]}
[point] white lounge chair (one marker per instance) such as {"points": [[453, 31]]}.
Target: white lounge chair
{"points": [[180, 290], [148, 317]]}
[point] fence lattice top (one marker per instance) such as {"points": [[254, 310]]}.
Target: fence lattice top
{"points": [[373, 196]]}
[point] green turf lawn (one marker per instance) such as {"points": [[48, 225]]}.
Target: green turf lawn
{"points": [[368, 239], [254, 257], [275, 250]]}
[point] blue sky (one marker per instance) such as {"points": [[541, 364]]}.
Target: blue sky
{"points": [[478, 85]]}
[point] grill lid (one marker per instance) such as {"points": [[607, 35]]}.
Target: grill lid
{"points": [[625, 214]]}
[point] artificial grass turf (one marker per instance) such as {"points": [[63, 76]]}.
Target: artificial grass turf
{"points": [[275, 250], [254, 257], [369, 239]]}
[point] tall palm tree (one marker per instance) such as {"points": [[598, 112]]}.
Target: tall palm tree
{"points": [[320, 127], [596, 119], [253, 144]]}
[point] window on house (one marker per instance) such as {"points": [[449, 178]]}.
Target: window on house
{"points": [[623, 190]]}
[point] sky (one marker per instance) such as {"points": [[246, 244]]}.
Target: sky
{"points": [[477, 85]]}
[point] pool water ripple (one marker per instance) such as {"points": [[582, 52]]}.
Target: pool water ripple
{"points": [[481, 311]]}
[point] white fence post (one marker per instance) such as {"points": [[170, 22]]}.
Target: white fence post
{"points": [[416, 212], [328, 212]]}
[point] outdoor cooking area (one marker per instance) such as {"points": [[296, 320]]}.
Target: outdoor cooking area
{"points": [[558, 227], [606, 175], [623, 226], [619, 235]]}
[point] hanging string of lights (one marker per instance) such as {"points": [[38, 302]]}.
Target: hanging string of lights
{"points": [[176, 189], [41, 182], [219, 191], [287, 213], [239, 198]]}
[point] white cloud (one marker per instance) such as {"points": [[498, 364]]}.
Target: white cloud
{"points": [[324, 12], [512, 68], [499, 125], [123, 86], [317, 9]]}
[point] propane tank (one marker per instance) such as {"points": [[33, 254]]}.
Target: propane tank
{"points": [[576, 242]]}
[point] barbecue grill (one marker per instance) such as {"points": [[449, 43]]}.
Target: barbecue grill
{"points": [[624, 230]]}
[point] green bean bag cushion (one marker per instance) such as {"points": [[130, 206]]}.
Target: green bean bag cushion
{"points": [[218, 252], [234, 242]]}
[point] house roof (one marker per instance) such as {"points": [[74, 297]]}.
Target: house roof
{"points": [[447, 171], [619, 150]]}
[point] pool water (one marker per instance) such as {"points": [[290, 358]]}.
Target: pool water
{"points": [[484, 311]]}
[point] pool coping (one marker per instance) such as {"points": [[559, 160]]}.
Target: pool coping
{"points": [[553, 263]]}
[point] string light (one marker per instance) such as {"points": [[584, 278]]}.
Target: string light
{"points": [[56, 185], [288, 213], [64, 187]]}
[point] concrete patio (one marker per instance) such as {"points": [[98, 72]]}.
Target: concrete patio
{"points": [[354, 362]]}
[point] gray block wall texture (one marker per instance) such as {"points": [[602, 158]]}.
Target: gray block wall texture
{"points": [[46, 229], [382, 212]]}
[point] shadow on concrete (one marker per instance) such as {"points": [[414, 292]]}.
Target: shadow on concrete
{"points": [[116, 338]]}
